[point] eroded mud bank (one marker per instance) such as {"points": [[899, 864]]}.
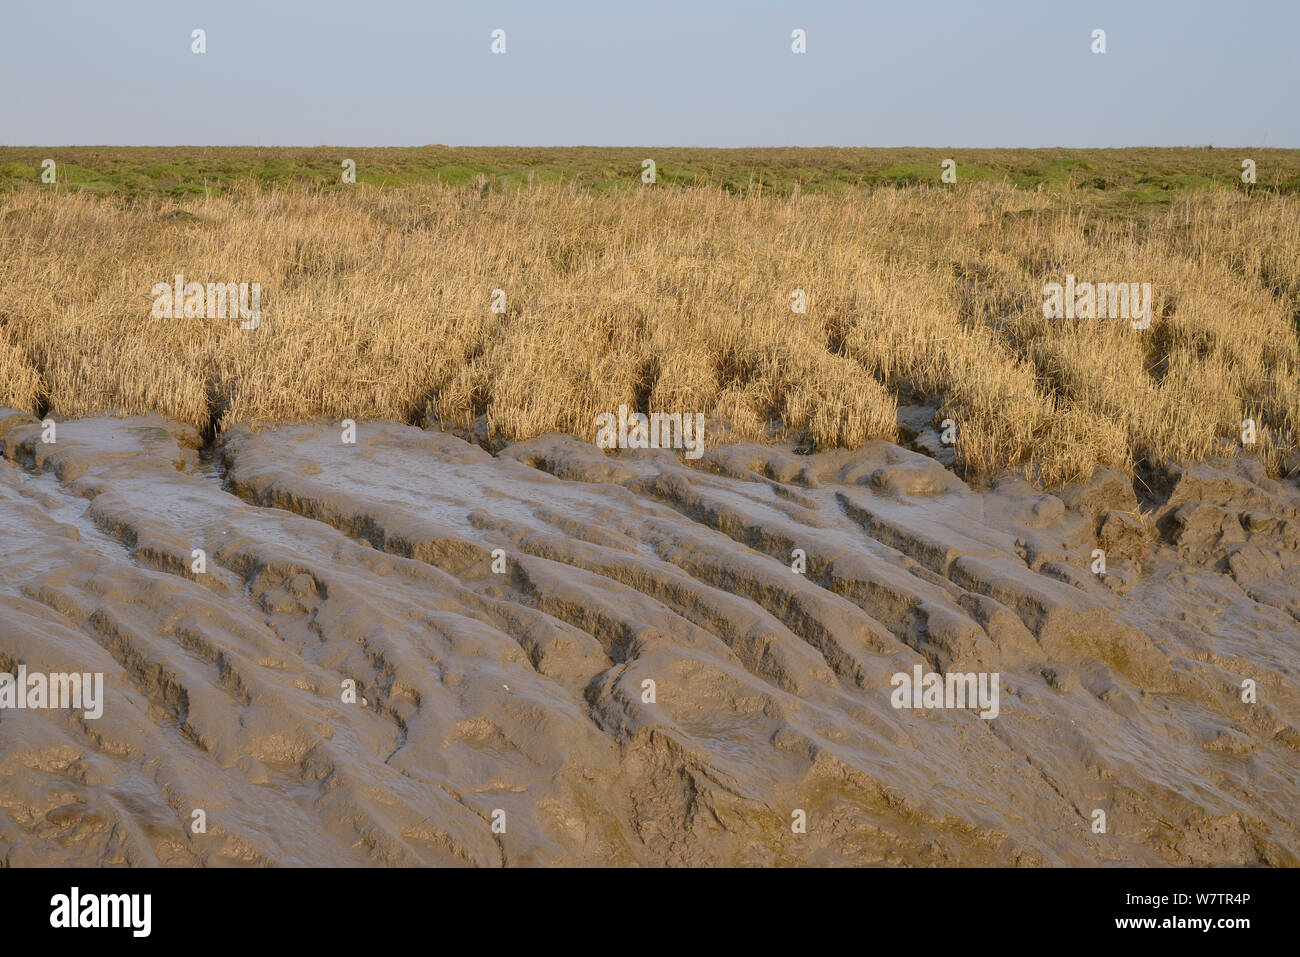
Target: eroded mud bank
{"points": [[523, 691]]}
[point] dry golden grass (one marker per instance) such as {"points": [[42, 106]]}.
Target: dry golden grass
{"points": [[376, 303]]}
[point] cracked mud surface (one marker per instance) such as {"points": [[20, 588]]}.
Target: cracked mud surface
{"points": [[523, 691]]}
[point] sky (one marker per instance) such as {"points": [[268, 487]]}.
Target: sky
{"points": [[661, 73]]}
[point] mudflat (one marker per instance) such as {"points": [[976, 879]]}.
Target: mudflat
{"points": [[409, 651]]}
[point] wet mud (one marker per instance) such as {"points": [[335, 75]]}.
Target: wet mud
{"points": [[563, 656]]}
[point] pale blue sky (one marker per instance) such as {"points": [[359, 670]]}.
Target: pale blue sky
{"points": [[1007, 73]]}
